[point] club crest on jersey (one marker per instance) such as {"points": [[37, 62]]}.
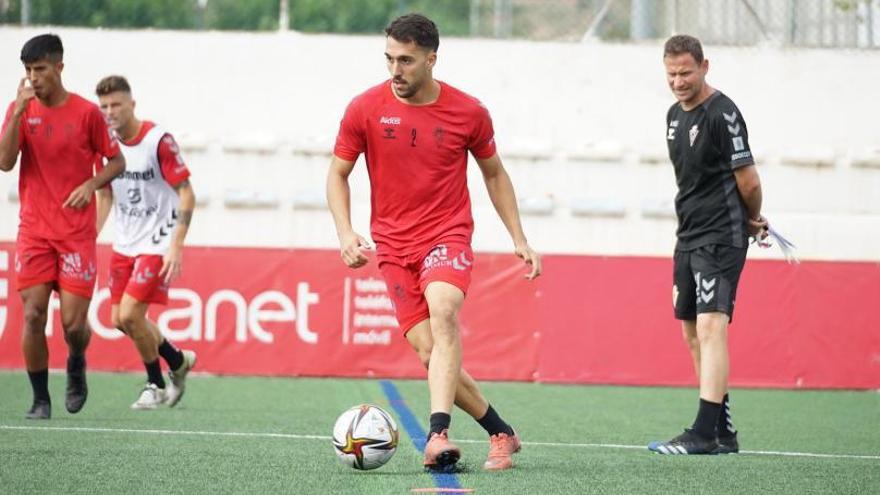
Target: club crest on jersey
{"points": [[692, 134]]}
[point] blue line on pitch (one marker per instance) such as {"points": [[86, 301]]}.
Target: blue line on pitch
{"points": [[415, 431]]}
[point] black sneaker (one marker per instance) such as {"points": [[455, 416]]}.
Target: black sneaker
{"points": [[77, 389], [727, 444], [41, 409], [688, 443]]}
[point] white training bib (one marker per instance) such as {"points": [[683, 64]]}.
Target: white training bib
{"points": [[145, 205]]}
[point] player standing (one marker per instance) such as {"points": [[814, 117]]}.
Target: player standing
{"points": [[416, 133], [718, 206], [153, 203], [58, 134]]}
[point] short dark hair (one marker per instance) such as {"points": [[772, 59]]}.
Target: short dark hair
{"points": [[415, 28], [42, 47], [683, 43], [112, 84]]}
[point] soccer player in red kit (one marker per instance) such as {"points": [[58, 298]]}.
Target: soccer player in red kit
{"points": [[58, 134], [416, 133], [153, 203]]}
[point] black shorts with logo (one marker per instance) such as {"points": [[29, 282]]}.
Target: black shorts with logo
{"points": [[705, 280]]}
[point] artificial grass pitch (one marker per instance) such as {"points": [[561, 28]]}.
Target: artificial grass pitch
{"points": [[272, 435]]}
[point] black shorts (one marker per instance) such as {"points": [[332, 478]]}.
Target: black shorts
{"points": [[705, 280]]}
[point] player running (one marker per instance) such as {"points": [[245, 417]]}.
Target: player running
{"points": [[58, 134], [416, 133], [718, 207], [153, 203]]}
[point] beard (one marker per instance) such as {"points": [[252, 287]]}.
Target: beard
{"points": [[408, 91]]}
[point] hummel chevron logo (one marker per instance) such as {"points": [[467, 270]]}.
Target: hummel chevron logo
{"points": [[707, 296], [734, 129], [730, 118], [461, 263], [144, 277]]}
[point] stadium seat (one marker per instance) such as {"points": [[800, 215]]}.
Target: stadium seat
{"points": [[657, 156], [597, 207], [257, 143], [309, 200], [314, 146], [192, 142], [526, 150], [658, 208], [867, 158], [601, 151], [818, 157], [243, 198], [539, 206]]}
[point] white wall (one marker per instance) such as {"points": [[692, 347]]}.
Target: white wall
{"points": [[580, 124]]}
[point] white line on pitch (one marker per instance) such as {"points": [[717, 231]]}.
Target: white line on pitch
{"points": [[168, 432], [326, 438]]}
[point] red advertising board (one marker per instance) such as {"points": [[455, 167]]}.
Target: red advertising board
{"points": [[588, 319]]}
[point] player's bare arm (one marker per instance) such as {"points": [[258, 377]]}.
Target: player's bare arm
{"points": [[351, 244], [9, 145], [504, 200], [749, 185], [104, 202], [82, 195], [172, 264]]}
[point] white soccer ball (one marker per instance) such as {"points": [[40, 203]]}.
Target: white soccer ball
{"points": [[365, 437]]}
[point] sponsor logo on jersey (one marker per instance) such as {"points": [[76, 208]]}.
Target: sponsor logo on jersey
{"points": [[438, 257], [129, 175], [670, 134], [134, 195], [738, 144], [740, 155], [135, 211], [389, 120], [71, 263], [72, 266]]}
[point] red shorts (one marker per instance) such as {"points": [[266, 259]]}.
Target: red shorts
{"points": [[408, 277], [138, 277], [71, 264]]}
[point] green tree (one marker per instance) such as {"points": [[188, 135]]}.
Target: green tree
{"points": [[242, 15]]}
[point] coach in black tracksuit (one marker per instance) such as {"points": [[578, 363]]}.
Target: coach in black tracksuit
{"points": [[718, 207]]}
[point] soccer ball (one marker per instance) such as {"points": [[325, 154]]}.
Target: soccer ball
{"points": [[365, 437]]}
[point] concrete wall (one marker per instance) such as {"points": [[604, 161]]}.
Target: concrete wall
{"points": [[581, 129]]}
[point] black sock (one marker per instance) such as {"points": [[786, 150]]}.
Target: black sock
{"points": [[725, 422], [171, 355], [40, 384], [707, 418], [154, 373], [493, 424], [75, 363], [439, 422]]}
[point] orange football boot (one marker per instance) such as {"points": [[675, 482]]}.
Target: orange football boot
{"points": [[501, 449], [440, 453]]}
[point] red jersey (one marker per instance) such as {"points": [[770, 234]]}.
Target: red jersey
{"points": [[417, 160], [58, 147]]}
